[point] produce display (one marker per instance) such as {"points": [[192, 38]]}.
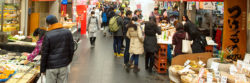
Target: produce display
{"points": [[167, 33], [239, 73], [12, 68]]}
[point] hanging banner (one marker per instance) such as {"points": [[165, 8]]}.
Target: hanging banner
{"points": [[234, 31]]}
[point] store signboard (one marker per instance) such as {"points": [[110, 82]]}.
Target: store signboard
{"points": [[209, 5], [234, 31], [194, 0]]}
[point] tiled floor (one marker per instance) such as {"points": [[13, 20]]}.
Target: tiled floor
{"points": [[99, 65]]}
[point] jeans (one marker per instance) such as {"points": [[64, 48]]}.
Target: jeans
{"points": [[126, 52], [149, 58], [135, 58], [58, 75], [117, 44]]}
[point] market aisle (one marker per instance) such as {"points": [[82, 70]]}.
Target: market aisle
{"points": [[98, 65]]}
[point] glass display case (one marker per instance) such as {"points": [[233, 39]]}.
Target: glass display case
{"points": [[10, 15]]}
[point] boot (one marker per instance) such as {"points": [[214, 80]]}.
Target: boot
{"points": [[136, 69], [127, 67]]}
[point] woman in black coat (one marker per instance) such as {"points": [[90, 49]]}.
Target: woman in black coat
{"points": [[199, 41], [150, 42]]}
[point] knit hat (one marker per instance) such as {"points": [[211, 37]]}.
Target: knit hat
{"points": [[117, 12], [51, 19]]}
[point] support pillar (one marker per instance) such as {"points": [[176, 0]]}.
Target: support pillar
{"points": [[54, 8], [182, 9]]}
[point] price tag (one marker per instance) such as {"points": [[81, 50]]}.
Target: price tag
{"points": [[185, 69], [223, 79], [187, 62], [201, 72], [233, 69], [201, 81], [215, 66], [217, 74], [209, 78], [200, 62]]}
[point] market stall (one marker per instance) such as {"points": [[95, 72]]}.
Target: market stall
{"points": [[163, 58]]}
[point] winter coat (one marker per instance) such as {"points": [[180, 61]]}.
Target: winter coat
{"points": [[177, 41], [136, 40], [120, 30], [93, 24], [150, 42], [125, 24], [57, 48], [199, 41]]}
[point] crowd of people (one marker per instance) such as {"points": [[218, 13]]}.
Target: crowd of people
{"points": [[56, 44], [119, 22]]}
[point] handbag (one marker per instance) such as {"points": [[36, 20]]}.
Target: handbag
{"points": [[186, 45]]}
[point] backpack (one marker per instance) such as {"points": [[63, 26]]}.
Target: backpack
{"points": [[104, 17], [113, 25]]}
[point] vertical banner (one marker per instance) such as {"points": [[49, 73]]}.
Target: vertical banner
{"points": [[82, 17], [235, 32]]}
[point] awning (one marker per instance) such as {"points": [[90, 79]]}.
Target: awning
{"points": [[195, 0]]}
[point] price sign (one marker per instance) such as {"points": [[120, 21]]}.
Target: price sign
{"points": [[187, 62], [215, 66], [209, 78], [217, 74], [223, 79], [233, 70], [201, 81]]}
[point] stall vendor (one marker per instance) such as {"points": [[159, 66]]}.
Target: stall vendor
{"points": [[164, 18], [39, 34]]}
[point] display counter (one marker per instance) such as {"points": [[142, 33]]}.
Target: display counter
{"points": [[13, 69]]}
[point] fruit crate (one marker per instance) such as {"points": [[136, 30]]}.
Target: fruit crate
{"points": [[161, 65]]}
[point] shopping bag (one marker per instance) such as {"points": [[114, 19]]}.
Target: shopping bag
{"points": [[87, 34], [42, 79], [186, 45]]}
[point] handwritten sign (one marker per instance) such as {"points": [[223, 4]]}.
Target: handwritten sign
{"points": [[209, 78], [234, 31], [223, 79]]}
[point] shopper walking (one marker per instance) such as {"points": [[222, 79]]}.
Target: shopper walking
{"points": [[57, 52], [104, 21], [199, 40], [150, 42], [39, 35], [118, 34], [92, 28], [127, 20], [136, 43], [179, 35]]}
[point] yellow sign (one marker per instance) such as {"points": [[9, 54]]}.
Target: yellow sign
{"points": [[235, 31]]}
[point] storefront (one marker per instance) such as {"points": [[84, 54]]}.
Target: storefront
{"points": [[248, 32]]}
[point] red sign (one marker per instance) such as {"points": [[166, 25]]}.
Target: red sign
{"points": [[43, 0], [82, 17], [194, 0]]}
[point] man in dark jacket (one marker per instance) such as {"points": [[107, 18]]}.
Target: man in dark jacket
{"points": [[118, 35], [127, 20], [57, 52]]}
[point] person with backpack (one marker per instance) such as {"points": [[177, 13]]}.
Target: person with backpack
{"points": [[104, 21], [116, 26], [92, 28]]}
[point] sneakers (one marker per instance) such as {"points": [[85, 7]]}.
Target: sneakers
{"points": [[116, 54], [121, 54]]}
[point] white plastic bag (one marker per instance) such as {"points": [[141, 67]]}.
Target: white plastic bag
{"points": [[87, 34], [186, 45], [42, 79]]}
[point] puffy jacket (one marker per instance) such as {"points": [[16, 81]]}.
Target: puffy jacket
{"points": [[57, 48], [150, 42]]}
